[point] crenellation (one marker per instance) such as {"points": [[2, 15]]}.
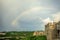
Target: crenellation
{"points": [[52, 30]]}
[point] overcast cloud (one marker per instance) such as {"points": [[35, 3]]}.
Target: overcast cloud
{"points": [[31, 15]]}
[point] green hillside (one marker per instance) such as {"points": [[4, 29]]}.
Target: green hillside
{"points": [[21, 36]]}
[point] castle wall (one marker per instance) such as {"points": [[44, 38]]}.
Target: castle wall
{"points": [[51, 31]]}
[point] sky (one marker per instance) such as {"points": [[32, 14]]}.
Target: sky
{"points": [[28, 15]]}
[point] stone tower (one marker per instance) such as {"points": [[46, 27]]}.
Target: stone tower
{"points": [[58, 30], [51, 31]]}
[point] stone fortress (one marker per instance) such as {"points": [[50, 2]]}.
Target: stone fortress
{"points": [[52, 30]]}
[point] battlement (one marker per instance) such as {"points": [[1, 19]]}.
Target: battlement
{"points": [[52, 30]]}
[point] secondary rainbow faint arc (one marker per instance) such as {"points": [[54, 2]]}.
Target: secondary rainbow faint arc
{"points": [[27, 11]]}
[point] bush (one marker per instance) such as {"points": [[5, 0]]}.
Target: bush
{"points": [[38, 38]]}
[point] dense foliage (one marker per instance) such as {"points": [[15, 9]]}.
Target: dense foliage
{"points": [[22, 36]]}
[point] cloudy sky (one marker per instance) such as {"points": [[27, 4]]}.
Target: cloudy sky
{"points": [[28, 15]]}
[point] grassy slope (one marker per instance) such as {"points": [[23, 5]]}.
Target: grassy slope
{"points": [[23, 36]]}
